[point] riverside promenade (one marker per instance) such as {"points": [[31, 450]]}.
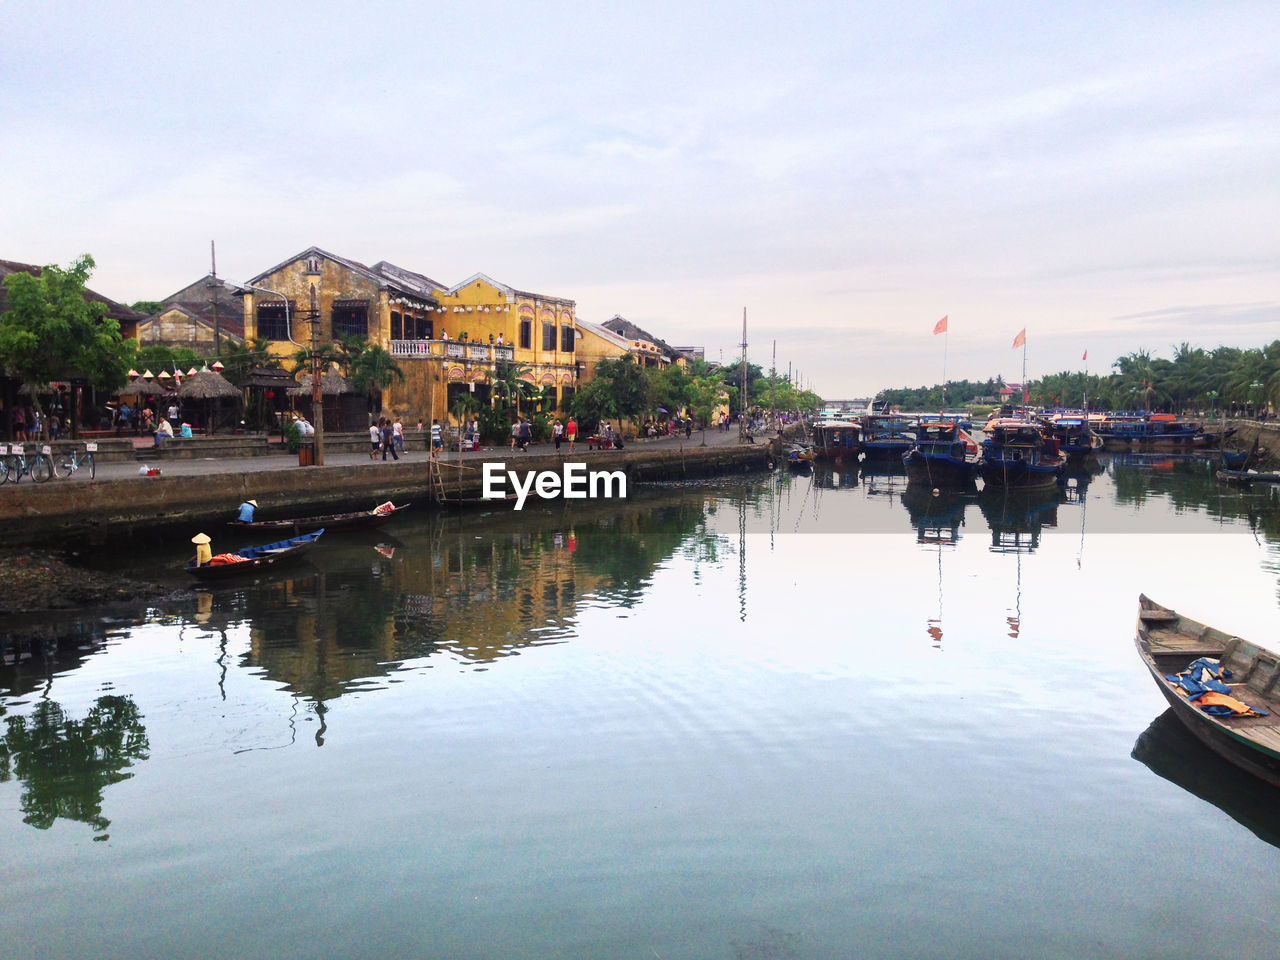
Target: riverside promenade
{"points": [[121, 501]]}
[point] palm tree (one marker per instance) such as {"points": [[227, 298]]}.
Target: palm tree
{"points": [[373, 370], [510, 385]]}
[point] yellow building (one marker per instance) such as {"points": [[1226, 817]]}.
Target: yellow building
{"points": [[447, 340]]}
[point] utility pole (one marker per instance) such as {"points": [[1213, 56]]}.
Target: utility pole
{"points": [[317, 392], [742, 395], [213, 282]]}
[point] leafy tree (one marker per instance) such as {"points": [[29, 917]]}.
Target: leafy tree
{"points": [[147, 306], [52, 332], [373, 370], [510, 387], [627, 385], [593, 403]]}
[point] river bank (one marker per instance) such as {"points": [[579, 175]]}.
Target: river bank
{"points": [[45, 526]]}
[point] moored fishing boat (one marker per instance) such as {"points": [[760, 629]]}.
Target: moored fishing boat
{"points": [[1156, 432], [1075, 436], [1245, 478], [252, 559], [887, 436], [359, 519], [836, 440], [1019, 454], [1222, 688], [943, 455]]}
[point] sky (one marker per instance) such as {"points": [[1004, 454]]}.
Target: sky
{"points": [[1105, 175]]}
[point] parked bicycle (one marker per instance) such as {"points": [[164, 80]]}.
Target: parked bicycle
{"points": [[69, 461], [16, 465]]}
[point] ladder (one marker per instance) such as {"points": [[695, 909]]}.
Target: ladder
{"points": [[437, 482]]}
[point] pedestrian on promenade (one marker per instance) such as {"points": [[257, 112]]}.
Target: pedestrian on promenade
{"points": [[526, 435], [437, 439], [388, 441], [375, 440], [571, 431], [397, 434], [148, 415], [164, 431], [557, 433], [515, 434]]}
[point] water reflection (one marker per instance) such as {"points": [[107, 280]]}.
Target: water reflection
{"points": [[1170, 751], [1016, 519], [64, 764]]}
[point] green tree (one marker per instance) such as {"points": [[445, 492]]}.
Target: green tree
{"points": [[510, 387], [52, 332], [373, 370]]}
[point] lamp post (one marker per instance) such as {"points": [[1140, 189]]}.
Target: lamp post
{"points": [[1213, 396], [317, 392]]}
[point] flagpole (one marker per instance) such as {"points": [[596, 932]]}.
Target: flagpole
{"points": [[945, 335], [1026, 390]]}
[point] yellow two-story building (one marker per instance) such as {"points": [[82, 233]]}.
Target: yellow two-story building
{"points": [[448, 340]]}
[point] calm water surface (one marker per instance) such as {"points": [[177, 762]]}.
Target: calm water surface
{"points": [[785, 716]]}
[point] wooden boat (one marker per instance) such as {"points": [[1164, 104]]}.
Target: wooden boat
{"points": [[1170, 643], [253, 559], [1018, 454], [944, 455], [360, 519], [887, 436], [835, 440], [1246, 477], [1157, 432], [1075, 436]]}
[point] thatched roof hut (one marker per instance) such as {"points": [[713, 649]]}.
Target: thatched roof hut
{"points": [[206, 384]]}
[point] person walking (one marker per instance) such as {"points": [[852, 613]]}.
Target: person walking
{"points": [[375, 440], [437, 439], [388, 441], [515, 434], [526, 435], [571, 432], [397, 434], [557, 433]]}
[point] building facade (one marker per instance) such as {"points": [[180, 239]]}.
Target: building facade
{"points": [[448, 340]]}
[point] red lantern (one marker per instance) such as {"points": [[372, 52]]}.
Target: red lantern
{"points": [[270, 394]]}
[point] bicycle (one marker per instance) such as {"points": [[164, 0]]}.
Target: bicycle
{"points": [[70, 461], [39, 469]]}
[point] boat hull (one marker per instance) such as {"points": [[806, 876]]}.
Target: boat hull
{"points": [[360, 520], [939, 470], [1020, 474], [257, 559], [1250, 743]]}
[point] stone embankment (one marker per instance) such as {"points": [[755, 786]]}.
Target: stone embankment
{"points": [[61, 512], [1267, 433]]}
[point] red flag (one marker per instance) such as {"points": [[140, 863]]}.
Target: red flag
{"points": [[1021, 339], [1026, 395], [940, 326], [1085, 357]]}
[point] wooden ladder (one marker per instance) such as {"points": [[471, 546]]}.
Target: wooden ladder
{"points": [[437, 481]]}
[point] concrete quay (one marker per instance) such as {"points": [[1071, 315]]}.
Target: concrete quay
{"points": [[121, 502]]}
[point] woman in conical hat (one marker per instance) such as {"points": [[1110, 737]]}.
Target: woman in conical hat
{"points": [[203, 552]]}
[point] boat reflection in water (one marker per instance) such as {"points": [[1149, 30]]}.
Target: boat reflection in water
{"points": [[1017, 518], [936, 519], [1170, 751], [828, 477]]}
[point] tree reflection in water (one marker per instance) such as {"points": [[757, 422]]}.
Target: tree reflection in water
{"points": [[64, 763]]}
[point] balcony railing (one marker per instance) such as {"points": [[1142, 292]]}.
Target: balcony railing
{"points": [[455, 349]]}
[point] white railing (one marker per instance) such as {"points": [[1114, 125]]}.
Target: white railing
{"points": [[457, 349]]}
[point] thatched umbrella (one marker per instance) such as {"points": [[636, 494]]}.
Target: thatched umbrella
{"points": [[206, 385], [141, 388], [331, 384]]}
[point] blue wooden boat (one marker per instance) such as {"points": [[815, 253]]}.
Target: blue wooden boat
{"points": [[1246, 477], [1157, 432], [253, 559], [943, 456], [1019, 454], [1076, 438], [887, 436]]}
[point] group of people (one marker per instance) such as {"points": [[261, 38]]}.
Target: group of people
{"points": [[386, 436]]}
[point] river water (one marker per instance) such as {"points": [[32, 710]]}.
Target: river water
{"points": [[776, 716]]}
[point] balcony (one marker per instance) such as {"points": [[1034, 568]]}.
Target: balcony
{"points": [[453, 349]]}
